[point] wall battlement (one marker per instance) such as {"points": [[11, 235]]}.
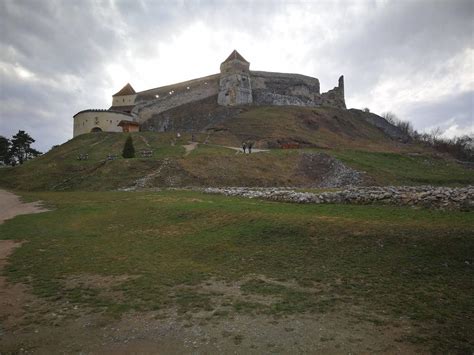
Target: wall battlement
{"points": [[235, 85]]}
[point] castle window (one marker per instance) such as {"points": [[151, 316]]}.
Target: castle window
{"points": [[123, 100]]}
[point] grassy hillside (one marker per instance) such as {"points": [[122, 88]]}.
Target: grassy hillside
{"points": [[213, 258], [325, 127], [334, 132]]}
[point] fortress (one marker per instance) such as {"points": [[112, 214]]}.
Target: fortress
{"points": [[234, 86]]}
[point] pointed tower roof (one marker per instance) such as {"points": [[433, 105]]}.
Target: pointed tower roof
{"points": [[235, 55], [126, 90]]}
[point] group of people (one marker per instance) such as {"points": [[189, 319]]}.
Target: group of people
{"points": [[247, 146]]}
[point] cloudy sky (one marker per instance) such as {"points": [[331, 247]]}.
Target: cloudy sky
{"points": [[57, 57]]}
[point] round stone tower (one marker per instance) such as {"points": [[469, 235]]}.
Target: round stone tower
{"points": [[234, 84]]}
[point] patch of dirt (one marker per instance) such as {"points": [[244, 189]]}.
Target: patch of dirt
{"points": [[12, 296], [11, 206], [190, 147], [206, 331]]}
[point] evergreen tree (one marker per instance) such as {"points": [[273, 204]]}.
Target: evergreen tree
{"points": [[128, 148], [4, 150], [21, 150]]}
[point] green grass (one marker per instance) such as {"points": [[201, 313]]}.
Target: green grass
{"points": [[389, 262], [409, 169], [388, 168], [213, 165]]}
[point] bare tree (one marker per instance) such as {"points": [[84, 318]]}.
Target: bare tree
{"points": [[390, 117]]}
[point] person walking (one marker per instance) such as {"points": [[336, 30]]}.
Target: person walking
{"points": [[250, 144], [244, 146]]}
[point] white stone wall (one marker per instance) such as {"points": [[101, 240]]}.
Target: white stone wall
{"points": [[126, 100], [107, 121]]}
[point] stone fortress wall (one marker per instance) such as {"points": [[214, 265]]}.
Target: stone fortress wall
{"points": [[152, 102], [235, 85]]}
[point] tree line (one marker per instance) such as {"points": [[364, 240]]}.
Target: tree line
{"points": [[461, 148], [17, 150]]}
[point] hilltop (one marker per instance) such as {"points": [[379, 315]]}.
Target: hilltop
{"points": [[331, 142]]}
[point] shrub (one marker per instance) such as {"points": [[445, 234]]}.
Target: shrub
{"points": [[128, 148]]}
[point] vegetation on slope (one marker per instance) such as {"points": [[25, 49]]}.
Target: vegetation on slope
{"points": [[334, 132], [389, 266]]}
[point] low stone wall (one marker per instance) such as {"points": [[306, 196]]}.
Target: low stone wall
{"points": [[424, 196]]}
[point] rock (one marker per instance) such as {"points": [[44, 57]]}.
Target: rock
{"points": [[425, 196]]}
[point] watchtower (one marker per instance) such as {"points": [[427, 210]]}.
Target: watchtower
{"points": [[234, 84]]}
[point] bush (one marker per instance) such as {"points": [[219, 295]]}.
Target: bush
{"points": [[128, 148], [461, 148]]}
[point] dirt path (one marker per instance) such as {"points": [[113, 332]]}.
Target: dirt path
{"points": [[254, 150], [12, 297], [11, 206], [190, 147]]}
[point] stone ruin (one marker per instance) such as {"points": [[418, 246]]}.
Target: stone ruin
{"points": [[234, 86], [237, 85]]}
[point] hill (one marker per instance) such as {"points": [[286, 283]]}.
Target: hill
{"points": [[332, 142]]}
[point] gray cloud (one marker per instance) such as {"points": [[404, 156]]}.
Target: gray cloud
{"points": [[55, 55], [456, 109]]}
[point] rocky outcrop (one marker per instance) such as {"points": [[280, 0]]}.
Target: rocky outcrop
{"points": [[327, 172], [389, 129], [461, 198]]}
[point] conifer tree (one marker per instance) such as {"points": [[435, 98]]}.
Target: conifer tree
{"points": [[21, 150], [128, 148]]}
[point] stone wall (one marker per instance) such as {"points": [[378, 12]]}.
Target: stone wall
{"points": [[191, 117], [239, 88], [235, 89], [335, 97], [124, 100], [284, 89], [152, 102], [461, 198], [107, 121]]}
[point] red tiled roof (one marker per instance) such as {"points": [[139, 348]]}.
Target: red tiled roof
{"points": [[126, 90], [235, 55], [126, 122]]}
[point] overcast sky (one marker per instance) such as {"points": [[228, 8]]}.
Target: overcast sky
{"points": [[414, 58]]}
